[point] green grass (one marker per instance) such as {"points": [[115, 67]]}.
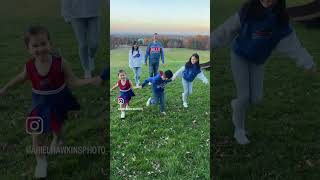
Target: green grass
{"points": [[147, 145], [84, 128], [283, 129]]}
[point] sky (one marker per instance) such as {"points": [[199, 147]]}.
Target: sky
{"points": [[162, 16]]}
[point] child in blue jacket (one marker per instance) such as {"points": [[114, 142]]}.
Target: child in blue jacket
{"points": [[159, 82]]}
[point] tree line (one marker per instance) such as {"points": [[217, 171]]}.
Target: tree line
{"points": [[200, 42]]}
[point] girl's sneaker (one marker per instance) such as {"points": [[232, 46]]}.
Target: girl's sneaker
{"points": [[149, 83], [185, 105], [241, 138], [41, 169], [164, 113], [148, 102], [123, 115]]}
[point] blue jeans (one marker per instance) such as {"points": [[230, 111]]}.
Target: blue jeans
{"points": [[87, 31], [153, 68], [187, 89], [248, 78], [159, 97], [137, 74]]}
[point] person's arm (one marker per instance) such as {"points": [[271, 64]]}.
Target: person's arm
{"points": [[142, 56], [291, 47], [113, 87], [66, 6], [202, 77], [146, 81], [178, 73], [130, 59], [225, 33], [162, 53], [131, 84], [147, 54], [72, 79], [19, 79]]}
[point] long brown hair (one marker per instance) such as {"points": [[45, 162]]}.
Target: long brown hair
{"points": [[254, 8]]}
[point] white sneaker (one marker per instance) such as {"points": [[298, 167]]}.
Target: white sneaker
{"points": [[149, 83], [41, 169], [87, 74], [148, 102], [185, 105], [164, 113], [123, 115], [241, 137]]}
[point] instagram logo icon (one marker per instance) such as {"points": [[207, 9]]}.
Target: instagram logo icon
{"points": [[34, 125], [121, 100]]}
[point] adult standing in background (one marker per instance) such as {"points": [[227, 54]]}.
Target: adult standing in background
{"points": [[84, 16], [135, 61], [154, 51]]}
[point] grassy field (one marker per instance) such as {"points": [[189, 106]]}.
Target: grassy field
{"points": [[283, 129], [84, 128], [147, 145]]}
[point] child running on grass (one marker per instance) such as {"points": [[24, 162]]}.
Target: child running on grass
{"points": [[189, 72], [126, 92], [158, 82], [50, 77], [260, 27]]}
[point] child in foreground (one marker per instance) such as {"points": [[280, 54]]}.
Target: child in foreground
{"points": [[126, 92], [50, 77]]}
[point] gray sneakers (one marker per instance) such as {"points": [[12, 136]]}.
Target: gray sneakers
{"points": [[240, 136]]}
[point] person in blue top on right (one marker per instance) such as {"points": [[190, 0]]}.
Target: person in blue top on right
{"points": [[189, 72], [254, 32], [154, 51]]}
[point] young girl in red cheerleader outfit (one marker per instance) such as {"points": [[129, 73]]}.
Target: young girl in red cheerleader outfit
{"points": [[51, 98], [126, 92]]}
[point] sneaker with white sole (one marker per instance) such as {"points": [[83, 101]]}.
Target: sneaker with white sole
{"points": [[148, 102], [41, 169], [185, 105], [241, 138], [123, 115], [149, 83], [164, 113]]}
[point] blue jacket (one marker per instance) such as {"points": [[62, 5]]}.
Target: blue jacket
{"points": [[258, 37], [190, 73], [154, 51], [158, 84]]}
